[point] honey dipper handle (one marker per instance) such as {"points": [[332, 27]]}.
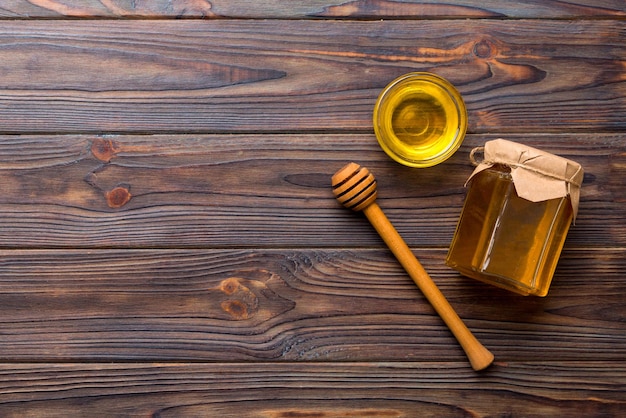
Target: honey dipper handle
{"points": [[477, 354]]}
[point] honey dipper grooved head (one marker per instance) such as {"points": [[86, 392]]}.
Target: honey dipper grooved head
{"points": [[354, 187]]}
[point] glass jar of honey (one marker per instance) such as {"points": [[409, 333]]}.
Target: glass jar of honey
{"points": [[420, 119], [517, 212]]}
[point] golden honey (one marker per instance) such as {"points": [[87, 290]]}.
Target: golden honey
{"points": [[420, 119], [510, 241]]}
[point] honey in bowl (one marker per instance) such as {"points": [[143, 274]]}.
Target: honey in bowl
{"points": [[420, 119]]}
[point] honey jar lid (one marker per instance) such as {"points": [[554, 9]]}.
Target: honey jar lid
{"points": [[537, 175]]}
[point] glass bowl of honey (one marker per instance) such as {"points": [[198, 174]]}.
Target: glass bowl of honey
{"points": [[420, 119]]}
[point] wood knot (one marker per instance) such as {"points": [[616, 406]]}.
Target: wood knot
{"points": [[104, 149], [241, 303], [484, 49], [229, 286], [236, 309], [118, 196]]}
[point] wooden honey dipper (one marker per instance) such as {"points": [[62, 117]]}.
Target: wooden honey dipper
{"points": [[355, 188]]}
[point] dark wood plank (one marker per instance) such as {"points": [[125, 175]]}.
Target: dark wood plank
{"points": [[313, 390], [259, 190], [284, 305], [255, 75], [169, 245], [312, 9]]}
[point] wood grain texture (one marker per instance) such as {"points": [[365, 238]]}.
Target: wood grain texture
{"points": [[299, 9], [279, 305], [170, 244], [258, 76], [259, 190], [270, 390]]}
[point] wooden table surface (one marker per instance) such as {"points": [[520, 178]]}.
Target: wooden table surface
{"points": [[170, 244]]}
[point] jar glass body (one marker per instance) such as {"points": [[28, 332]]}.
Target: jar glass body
{"points": [[508, 241]]}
